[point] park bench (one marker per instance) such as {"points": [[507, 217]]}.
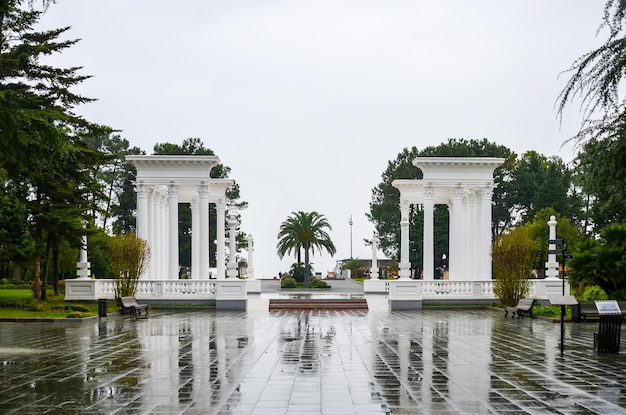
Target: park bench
{"points": [[524, 306], [132, 307], [588, 309]]}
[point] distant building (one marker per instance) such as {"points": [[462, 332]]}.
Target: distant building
{"points": [[384, 268]]}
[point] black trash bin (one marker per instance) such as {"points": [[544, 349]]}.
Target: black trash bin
{"points": [[607, 338], [102, 307], [576, 313]]}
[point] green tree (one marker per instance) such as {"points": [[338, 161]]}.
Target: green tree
{"points": [[14, 237], [602, 262], [128, 258], [354, 265], [602, 179], [538, 182], [539, 231], [43, 152], [304, 231], [596, 77], [116, 179], [513, 256]]}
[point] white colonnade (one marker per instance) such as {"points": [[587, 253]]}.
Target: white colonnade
{"points": [[164, 181], [465, 185]]}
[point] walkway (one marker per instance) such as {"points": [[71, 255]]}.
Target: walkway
{"points": [[433, 361]]}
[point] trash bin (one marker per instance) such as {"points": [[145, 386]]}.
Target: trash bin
{"points": [[576, 314], [607, 338], [102, 307]]}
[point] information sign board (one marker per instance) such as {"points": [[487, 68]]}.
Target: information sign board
{"points": [[607, 307], [563, 300]]}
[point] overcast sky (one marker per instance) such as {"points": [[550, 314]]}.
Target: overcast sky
{"points": [[308, 100]]}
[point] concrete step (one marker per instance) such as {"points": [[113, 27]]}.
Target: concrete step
{"points": [[318, 304]]}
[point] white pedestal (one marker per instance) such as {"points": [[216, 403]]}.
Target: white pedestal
{"points": [[231, 294], [405, 294]]}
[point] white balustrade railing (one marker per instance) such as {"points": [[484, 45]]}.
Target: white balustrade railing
{"points": [[539, 288], [88, 289]]}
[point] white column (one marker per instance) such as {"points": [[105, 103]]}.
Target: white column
{"points": [[163, 224], [232, 249], [250, 257], [220, 208], [485, 223], [552, 266], [470, 220], [203, 251], [173, 258], [429, 241], [477, 239], [156, 217], [405, 264], [457, 235], [374, 267], [195, 240], [150, 266], [142, 210]]}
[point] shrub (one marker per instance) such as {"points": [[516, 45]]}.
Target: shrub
{"points": [[299, 272], [317, 283], [287, 282], [77, 307], [593, 293], [16, 302], [36, 306], [4, 281]]}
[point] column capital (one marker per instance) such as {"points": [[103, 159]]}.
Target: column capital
{"points": [[458, 191], [486, 192], [220, 206], [203, 190], [405, 209], [429, 192], [142, 189], [172, 189]]}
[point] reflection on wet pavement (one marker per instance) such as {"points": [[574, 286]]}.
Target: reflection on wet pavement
{"points": [[434, 361]]}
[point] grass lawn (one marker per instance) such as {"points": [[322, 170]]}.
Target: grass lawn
{"points": [[53, 307], [16, 293]]}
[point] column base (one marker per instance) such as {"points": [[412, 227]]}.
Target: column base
{"points": [[231, 295], [405, 295]]}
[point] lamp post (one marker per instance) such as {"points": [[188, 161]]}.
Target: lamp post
{"points": [[443, 266], [350, 223]]}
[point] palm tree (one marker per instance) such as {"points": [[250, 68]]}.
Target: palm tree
{"points": [[304, 231]]}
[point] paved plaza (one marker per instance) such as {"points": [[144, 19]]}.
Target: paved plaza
{"points": [[434, 361]]}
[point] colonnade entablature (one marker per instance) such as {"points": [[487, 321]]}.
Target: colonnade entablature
{"points": [[465, 185], [164, 181]]}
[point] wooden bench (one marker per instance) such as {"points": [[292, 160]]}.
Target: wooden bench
{"points": [[588, 309], [132, 307], [524, 306]]}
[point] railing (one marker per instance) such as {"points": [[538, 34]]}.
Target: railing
{"points": [[539, 288], [88, 289]]}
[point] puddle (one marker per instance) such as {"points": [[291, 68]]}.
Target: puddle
{"points": [[20, 351]]}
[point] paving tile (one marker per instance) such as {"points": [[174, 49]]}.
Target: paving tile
{"points": [[341, 362]]}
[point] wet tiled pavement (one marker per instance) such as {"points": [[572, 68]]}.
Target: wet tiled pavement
{"points": [[434, 361]]}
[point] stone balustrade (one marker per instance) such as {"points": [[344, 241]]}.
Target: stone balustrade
{"points": [[540, 289], [88, 289]]}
